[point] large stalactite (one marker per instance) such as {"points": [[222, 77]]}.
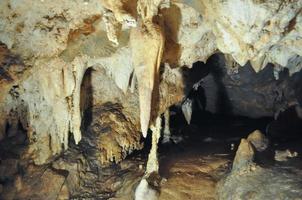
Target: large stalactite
{"points": [[147, 59]]}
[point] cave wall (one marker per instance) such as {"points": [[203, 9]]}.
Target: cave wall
{"points": [[50, 45]]}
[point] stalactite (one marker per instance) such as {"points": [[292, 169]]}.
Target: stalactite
{"points": [[147, 44], [167, 132], [186, 108]]}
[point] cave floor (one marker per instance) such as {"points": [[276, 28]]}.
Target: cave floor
{"points": [[190, 169], [193, 168]]}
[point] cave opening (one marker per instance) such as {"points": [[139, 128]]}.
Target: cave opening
{"points": [[228, 105]]}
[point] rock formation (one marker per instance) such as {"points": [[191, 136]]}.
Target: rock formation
{"points": [[95, 75], [48, 46], [252, 179], [243, 161], [258, 140]]}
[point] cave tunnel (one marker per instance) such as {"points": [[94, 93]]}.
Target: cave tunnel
{"points": [[199, 151], [151, 100], [224, 107]]}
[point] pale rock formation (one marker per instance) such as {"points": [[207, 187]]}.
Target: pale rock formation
{"points": [[58, 41], [167, 132], [298, 111], [121, 10], [259, 31], [188, 36], [47, 117], [284, 155], [113, 27], [41, 28], [186, 108], [259, 141], [243, 161], [144, 190], [116, 14], [152, 164], [147, 58]]}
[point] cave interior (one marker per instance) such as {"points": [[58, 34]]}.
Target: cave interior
{"points": [[151, 100]]}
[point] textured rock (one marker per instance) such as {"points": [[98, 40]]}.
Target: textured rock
{"points": [[144, 188], [46, 183], [263, 183], [93, 73], [146, 65], [246, 93], [243, 161], [258, 140], [255, 30], [284, 155], [61, 40]]}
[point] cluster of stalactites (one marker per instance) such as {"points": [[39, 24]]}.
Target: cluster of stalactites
{"points": [[147, 44], [147, 58]]}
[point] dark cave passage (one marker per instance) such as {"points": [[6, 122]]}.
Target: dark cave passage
{"points": [[86, 99], [198, 157], [227, 108]]}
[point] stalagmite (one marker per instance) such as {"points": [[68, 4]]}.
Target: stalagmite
{"points": [[244, 159], [147, 44], [144, 191], [152, 164]]}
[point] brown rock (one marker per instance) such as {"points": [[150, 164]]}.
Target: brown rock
{"points": [[47, 187], [64, 193], [8, 168]]}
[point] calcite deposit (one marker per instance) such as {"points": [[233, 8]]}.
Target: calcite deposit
{"points": [[82, 81], [136, 51]]}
